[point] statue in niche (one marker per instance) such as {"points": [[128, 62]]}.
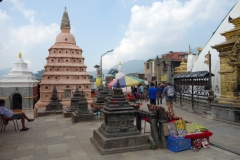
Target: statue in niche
{"points": [[227, 84], [235, 51], [123, 121], [67, 94]]}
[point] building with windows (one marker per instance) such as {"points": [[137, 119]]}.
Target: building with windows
{"points": [[65, 69], [19, 88], [150, 66]]}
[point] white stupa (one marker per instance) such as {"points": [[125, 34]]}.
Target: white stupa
{"points": [[120, 73], [19, 87], [216, 38]]}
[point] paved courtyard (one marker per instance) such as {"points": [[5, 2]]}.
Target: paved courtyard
{"points": [[55, 137]]}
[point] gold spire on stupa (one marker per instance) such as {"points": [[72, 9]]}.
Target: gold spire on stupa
{"points": [[120, 63], [20, 55]]}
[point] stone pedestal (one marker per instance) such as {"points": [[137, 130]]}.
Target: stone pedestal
{"points": [[67, 112], [82, 114], [118, 133]]}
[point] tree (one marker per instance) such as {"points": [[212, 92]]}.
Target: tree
{"points": [[113, 72]]}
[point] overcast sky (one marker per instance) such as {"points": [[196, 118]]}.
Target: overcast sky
{"points": [[135, 29]]}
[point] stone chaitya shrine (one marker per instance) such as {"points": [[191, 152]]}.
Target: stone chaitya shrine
{"points": [[100, 99], [83, 113], [118, 132], [65, 68], [53, 107], [67, 112]]}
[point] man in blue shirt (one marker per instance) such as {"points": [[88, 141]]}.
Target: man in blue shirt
{"points": [[8, 114], [152, 94], [169, 92], [160, 91]]}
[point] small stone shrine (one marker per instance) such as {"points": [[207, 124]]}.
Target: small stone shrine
{"points": [[109, 96], [118, 133], [67, 112], [54, 106], [102, 95], [82, 114]]}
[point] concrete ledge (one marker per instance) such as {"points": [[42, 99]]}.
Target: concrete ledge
{"points": [[47, 113]]}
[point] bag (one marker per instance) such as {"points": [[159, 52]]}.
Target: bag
{"points": [[170, 92]]}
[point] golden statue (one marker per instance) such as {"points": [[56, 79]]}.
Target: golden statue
{"points": [[19, 55]]}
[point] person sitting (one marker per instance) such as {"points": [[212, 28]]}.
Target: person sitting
{"points": [[8, 114]]}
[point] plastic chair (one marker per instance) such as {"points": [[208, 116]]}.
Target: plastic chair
{"points": [[5, 120]]}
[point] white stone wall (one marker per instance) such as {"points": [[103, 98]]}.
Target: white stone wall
{"points": [[27, 103]]}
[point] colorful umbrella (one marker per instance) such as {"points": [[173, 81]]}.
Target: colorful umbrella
{"points": [[126, 81]]}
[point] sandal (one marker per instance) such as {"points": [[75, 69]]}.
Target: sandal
{"points": [[30, 120], [24, 129]]}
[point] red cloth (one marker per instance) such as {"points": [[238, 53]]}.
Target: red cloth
{"points": [[199, 135], [146, 119]]}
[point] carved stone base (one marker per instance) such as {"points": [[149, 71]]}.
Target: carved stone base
{"points": [[67, 112], [82, 117], [119, 144]]}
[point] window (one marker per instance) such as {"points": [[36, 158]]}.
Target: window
{"points": [[50, 69], [67, 69], [65, 39], [77, 52], [66, 60], [58, 60], [46, 87], [84, 77], [79, 87], [80, 61], [67, 87], [77, 77], [82, 69], [86, 86], [147, 65], [54, 51], [76, 69], [72, 52], [74, 61], [52, 60], [60, 52], [55, 77], [66, 52], [57, 69], [49, 78], [67, 77]]}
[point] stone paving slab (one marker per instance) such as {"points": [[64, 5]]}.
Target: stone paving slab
{"points": [[54, 137]]}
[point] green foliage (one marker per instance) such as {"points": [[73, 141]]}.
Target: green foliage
{"points": [[39, 74], [113, 72]]}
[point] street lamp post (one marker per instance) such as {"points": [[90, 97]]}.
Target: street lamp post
{"points": [[101, 62]]}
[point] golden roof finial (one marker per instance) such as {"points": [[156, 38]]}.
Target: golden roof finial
{"points": [[19, 55], [120, 63]]}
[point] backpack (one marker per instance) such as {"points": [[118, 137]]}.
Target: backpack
{"points": [[170, 92]]}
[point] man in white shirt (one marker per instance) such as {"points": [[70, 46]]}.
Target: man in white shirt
{"points": [[8, 114]]}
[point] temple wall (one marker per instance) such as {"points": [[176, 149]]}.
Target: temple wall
{"points": [[25, 92]]}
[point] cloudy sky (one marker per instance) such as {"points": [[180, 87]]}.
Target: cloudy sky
{"points": [[135, 29]]}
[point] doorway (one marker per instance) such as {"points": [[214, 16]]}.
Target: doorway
{"points": [[17, 101]]}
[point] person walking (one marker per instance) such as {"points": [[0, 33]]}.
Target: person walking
{"points": [[169, 92], [152, 94], [141, 91], [160, 92]]}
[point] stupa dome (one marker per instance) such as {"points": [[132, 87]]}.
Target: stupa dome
{"points": [[65, 38]]}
